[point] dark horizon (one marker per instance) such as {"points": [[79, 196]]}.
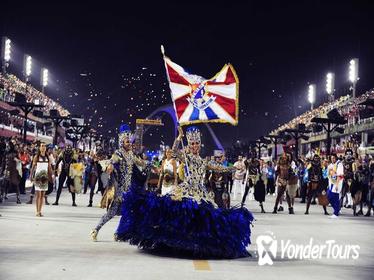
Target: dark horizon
{"points": [[277, 48]]}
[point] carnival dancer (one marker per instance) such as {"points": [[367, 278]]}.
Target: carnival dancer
{"points": [[238, 177], [41, 176], [260, 192], [292, 186], [251, 177], [168, 176], [350, 169], [314, 181], [11, 173], [270, 173], [283, 174], [370, 199], [120, 170], [187, 220], [92, 173], [322, 192], [76, 170], [336, 176], [218, 182], [359, 189], [66, 158]]}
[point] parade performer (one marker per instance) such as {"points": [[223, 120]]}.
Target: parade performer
{"points": [[41, 176], [359, 189], [187, 220], [76, 176], [283, 174], [260, 192], [251, 177], [217, 181], [370, 197], [239, 174], [120, 169], [336, 176], [168, 176], [292, 186], [314, 181], [10, 172], [92, 174], [350, 169], [66, 158]]}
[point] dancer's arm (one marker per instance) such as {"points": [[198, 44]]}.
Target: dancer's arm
{"points": [[175, 147], [161, 175]]}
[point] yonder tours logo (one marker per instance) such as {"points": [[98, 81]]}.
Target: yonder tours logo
{"points": [[267, 249]]}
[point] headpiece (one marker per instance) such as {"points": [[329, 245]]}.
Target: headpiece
{"points": [[193, 135], [124, 133]]}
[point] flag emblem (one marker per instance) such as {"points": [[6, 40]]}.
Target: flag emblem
{"points": [[198, 100]]}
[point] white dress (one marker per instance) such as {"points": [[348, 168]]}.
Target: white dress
{"points": [[167, 187], [41, 174]]}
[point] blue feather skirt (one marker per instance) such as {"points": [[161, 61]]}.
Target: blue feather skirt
{"points": [[187, 227]]}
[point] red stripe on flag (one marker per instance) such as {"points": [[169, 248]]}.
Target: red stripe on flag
{"points": [[230, 78], [175, 77], [227, 104], [181, 105]]}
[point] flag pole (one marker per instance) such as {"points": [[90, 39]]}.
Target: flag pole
{"points": [[183, 149]]}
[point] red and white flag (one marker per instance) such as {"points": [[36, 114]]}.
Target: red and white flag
{"points": [[198, 100]]}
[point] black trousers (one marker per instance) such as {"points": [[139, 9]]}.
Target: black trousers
{"points": [[270, 186], [22, 183], [92, 183], [247, 187], [61, 180]]}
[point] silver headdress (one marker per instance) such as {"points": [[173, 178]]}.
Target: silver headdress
{"points": [[193, 135]]}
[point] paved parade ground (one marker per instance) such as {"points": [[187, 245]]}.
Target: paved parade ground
{"points": [[57, 246]]}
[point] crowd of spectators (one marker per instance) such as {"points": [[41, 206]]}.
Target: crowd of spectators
{"points": [[10, 84], [348, 107]]}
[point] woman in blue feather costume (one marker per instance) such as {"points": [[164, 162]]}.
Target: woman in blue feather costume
{"points": [[187, 220]]}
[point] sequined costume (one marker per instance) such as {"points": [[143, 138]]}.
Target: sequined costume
{"points": [[122, 162], [186, 220]]}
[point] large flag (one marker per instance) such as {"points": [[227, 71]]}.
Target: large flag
{"points": [[198, 100]]}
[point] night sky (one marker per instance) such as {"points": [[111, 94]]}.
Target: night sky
{"points": [[105, 61]]}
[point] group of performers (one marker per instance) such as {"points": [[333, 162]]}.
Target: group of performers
{"points": [[188, 216], [190, 210]]}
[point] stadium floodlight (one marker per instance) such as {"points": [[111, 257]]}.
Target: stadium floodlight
{"points": [[44, 77], [353, 70], [312, 94], [7, 49], [330, 83], [28, 65], [353, 74]]}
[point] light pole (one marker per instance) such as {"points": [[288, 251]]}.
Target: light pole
{"points": [[353, 74], [331, 123], [26, 107], [44, 78], [312, 95], [330, 85], [56, 118], [6, 49], [274, 139], [297, 134]]}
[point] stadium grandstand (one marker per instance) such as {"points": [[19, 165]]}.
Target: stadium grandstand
{"points": [[357, 133], [12, 120]]}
